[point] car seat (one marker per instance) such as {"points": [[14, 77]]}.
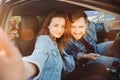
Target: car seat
{"points": [[29, 27]]}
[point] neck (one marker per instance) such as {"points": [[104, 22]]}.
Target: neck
{"points": [[53, 38]]}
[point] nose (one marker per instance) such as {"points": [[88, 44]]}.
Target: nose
{"points": [[78, 30], [59, 29]]}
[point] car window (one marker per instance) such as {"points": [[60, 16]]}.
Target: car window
{"points": [[106, 18], [97, 16], [93, 15]]}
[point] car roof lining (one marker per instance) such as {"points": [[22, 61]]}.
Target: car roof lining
{"points": [[101, 5], [42, 7]]}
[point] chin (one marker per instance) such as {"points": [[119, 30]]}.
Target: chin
{"points": [[78, 38], [58, 36]]}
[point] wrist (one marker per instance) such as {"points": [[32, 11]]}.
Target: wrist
{"points": [[84, 56]]}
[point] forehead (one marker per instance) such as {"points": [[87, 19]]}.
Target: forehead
{"points": [[79, 21], [58, 20]]}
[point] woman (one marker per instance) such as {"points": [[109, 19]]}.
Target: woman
{"points": [[45, 63]]}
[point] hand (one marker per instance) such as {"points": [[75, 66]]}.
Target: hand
{"points": [[91, 56], [11, 65]]}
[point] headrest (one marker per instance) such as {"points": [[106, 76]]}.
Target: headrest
{"points": [[29, 27]]}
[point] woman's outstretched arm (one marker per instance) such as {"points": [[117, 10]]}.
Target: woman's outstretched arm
{"points": [[11, 65]]}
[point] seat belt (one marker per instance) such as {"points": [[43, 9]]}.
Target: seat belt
{"points": [[89, 48]]}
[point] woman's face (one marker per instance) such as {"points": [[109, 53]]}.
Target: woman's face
{"points": [[79, 28], [57, 27]]}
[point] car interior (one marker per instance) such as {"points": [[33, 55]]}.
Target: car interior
{"points": [[30, 15]]}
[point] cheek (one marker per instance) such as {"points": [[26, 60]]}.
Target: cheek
{"points": [[84, 29], [72, 30], [72, 33], [51, 28], [63, 30]]}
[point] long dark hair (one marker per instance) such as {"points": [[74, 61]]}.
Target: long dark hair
{"points": [[62, 41]]}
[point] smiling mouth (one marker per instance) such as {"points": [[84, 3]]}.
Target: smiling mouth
{"points": [[78, 34], [58, 33]]}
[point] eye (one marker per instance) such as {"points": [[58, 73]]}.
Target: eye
{"points": [[56, 25], [73, 26], [81, 26], [63, 26]]}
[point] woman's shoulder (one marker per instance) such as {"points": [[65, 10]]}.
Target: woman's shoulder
{"points": [[44, 39]]}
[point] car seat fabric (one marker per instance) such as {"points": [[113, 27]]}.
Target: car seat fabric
{"points": [[29, 27]]}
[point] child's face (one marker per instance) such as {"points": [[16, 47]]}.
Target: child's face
{"points": [[57, 27], [78, 28]]}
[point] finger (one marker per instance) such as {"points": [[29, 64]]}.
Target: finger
{"points": [[5, 43], [97, 55], [96, 58]]}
